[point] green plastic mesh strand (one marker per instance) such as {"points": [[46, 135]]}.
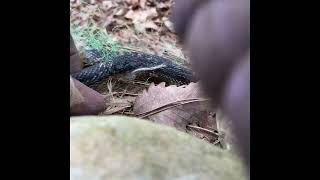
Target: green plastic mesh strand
{"points": [[93, 37]]}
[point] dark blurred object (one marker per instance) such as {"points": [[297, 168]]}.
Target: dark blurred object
{"points": [[75, 62], [83, 100], [217, 35], [182, 13], [91, 102]]}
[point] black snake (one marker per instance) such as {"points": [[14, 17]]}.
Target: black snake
{"points": [[135, 63]]}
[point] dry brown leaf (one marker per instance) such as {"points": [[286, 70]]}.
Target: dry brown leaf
{"points": [[132, 2], [143, 4], [173, 106], [121, 12], [142, 19], [118, 104], [131, 14], [150, 3], [108, 4], [163, 8], [169, 25], [124, 20], [141, 16], [118, 15], [142, 27]]}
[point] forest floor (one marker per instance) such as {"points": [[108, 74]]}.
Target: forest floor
{"points": [[142, 25]]}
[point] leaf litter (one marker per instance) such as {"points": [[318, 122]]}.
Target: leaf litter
{"points": [[144, 25]]}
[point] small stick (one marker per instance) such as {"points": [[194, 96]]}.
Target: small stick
{"points": [[203, 129], [169, 106], [130, 94], [141, 83]]}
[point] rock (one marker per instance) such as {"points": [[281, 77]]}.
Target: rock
{"points": [[117, 147]]}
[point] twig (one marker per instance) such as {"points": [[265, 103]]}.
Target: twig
{"points": [[118, 104], [125, 93], [115, 110], [169, 106], [205, 130], [141, 83]]}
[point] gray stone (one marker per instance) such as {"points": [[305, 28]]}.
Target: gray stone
{"points": [[116, 147]]}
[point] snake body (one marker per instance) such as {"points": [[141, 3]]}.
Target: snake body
{"points": [[136, 63]]}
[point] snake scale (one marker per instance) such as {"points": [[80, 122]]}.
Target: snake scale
{"points": [[134, 63]]}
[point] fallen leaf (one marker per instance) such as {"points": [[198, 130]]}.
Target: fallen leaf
{"points": [[173, 106], [169, 25], [118, 104], [121, 12], [142, 19], [142, 27], [132, 2], [130, 14], [143, 4], [141, 16], [163, 6], [108, 4]]}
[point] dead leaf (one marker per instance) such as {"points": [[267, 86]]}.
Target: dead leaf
{"points": [[142, 27], [121, 12], [132, 2], [142, 19], [118, 104], [141, 16], [130, 14], [151, 25], [107, 4], [150, 3], [169, 25], [173, 106], [163, 7], [143, 4]]}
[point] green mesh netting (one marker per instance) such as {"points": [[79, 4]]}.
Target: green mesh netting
{"points": [[93, 37]]}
